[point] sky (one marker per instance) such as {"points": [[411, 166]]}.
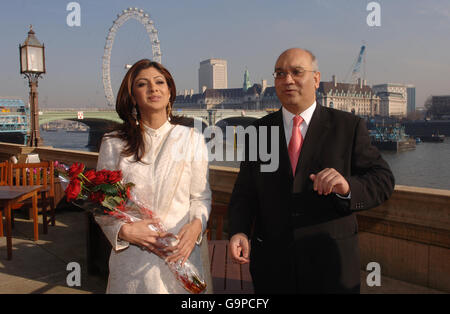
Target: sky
{"points": [[410, 46]]}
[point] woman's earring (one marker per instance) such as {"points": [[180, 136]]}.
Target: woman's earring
{"points": [[134, 115], [169, 111]]}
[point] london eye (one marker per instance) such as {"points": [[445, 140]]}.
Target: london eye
{"points": [[127, 14]]}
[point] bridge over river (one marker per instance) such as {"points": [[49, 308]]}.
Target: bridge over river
{"points": [[101, 121]]}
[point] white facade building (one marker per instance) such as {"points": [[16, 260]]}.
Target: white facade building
{"points": [[393, 99], [357, 98]]}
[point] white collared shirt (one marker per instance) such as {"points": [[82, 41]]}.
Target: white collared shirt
{"points": [[288, 121]]}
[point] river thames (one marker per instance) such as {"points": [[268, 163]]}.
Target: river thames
{"points": [[426, 166]]}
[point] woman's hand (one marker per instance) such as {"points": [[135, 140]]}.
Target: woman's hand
{"points": [[187, 237], [138, 233]]}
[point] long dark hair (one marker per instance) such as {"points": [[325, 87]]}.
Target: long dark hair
{"points": [[129, 130]]}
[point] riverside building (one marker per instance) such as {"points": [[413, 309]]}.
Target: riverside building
{"points": [[393, 99], [357, 98], [250, 97]]}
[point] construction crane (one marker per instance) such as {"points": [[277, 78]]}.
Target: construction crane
{"points": [[357, 66], [356, 69]]}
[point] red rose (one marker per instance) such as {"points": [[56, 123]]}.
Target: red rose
{"points": [[114, 176], [97, 197], [128, 193], [100, 177], [90, 175], [76, 169], [73, 190]]}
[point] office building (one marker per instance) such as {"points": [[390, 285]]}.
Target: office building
{"points": [[440, 107], [411, 98], [212, 74]]}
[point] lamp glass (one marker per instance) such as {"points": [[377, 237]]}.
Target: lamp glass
{"points": [[23, 59], [35, 59]]}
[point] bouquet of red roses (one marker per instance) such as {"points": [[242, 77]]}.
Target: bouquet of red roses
{"points": [[102, 192]]}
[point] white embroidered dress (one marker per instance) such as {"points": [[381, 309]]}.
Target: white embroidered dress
{"points": [[171, 180]]}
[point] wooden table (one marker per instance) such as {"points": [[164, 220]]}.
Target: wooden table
{"points": [[9, 195], [228, 277]]}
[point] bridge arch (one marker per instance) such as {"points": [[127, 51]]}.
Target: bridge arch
{"points": [[201, 117], [236, 120], [48, 116], [99, 122]]}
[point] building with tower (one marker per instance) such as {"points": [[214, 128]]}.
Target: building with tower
{"points": [[247, 83], [250, 96]]}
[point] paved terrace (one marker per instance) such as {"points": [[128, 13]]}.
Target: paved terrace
{"points": [[40, 267], [409, 236]]}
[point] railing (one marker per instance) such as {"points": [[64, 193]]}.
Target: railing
{"points": [[8, 150], [408, 236]]}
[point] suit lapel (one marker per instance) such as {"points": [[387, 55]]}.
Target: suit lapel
{"points": [[317, 130]]}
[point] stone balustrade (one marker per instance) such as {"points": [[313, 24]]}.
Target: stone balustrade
{"points": [[408, 236]]}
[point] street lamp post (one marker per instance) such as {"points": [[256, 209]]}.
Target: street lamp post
{"points": [[32, 66]]}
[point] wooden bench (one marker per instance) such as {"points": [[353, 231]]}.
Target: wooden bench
{"points": [[228, 277], [216, 221]]}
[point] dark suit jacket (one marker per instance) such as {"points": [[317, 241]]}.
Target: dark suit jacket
{"points": [[302, 242]]}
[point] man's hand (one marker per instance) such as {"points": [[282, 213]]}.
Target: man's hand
{"points": [[239, 244], [330, 181]]}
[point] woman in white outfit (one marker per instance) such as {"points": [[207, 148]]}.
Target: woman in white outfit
{"points": [[168, 163]]}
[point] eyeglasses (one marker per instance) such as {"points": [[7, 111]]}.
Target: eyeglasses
{"points": [[296, 73]]}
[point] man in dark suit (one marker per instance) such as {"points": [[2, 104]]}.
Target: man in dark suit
{"points": [[300, 218]]}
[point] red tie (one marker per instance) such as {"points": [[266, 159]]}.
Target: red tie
{"points": [[295, 144]]}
